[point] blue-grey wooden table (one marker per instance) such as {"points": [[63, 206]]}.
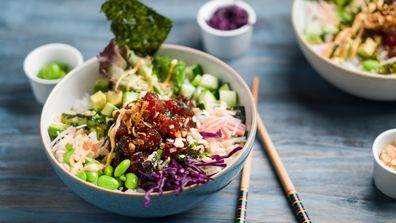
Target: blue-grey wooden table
{"points": [[323, 135]]}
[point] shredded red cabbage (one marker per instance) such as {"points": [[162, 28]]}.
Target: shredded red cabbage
{"points": [[221, 158], [229, 18], [177, 176], [174, 177], [211, 134]]}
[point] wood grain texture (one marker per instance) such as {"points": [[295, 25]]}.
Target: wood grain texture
{"points": [[323, 136]]}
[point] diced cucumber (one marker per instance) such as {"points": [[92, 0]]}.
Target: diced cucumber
{"points": [[209, 81], [129, 96], [201, 106], [330, 29], [341, 2], [370, 65], [55, 128], [114, 98], [367, 49], [98, 100], [239, 112], [131, 82], [197, 93], [345, 16], [187, 90], [108, 109], [193, 71], [225, 87], [196, 80], [101, 84], [229, 97], [206, 97], [314, 39], [312, 32]]}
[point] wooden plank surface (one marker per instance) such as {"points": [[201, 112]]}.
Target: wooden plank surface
{"points": [[324, 136]]}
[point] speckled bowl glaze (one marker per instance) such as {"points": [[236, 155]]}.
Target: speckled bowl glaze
{"points": [[359, 83], [80, 81]]}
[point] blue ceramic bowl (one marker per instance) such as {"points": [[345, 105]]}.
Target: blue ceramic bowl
{"points": [[80, 82]]}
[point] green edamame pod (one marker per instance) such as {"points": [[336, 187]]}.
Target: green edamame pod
{"points": [[69, 146], [91, 161], [108, 182], [131, 181], [82, 175], [66, 157], [370, 65], [92, 176], [108, 170], [120, 182], [122, 167], [122, 177]]}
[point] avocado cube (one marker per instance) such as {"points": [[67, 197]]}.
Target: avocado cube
{"points": [[196, 80], [55, 128], [98, 100], [101, 84], [367, 49], [114, 98], [108, 109]]}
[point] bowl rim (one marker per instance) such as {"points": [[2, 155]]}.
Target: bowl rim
{"points": [[376, 150], [50, 46], [226, 33], [308, 46], [234, 73]]}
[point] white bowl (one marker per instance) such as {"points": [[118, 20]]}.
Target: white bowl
{"points": [[44, 55], [225, 44], [80, 82], [359, 83], [384, 177]]}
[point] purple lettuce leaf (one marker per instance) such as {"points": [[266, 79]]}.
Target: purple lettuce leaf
{"points": [[113, 61]]}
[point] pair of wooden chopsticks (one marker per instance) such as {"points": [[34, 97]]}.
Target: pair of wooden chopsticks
{"points": [[288, 187]]}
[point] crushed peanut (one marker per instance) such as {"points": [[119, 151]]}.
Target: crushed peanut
{"points": [[388, 155]]}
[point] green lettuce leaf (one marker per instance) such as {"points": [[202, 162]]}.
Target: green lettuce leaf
{"points": [[161, 67]]}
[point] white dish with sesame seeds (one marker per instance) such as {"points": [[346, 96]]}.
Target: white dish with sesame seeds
{"points": [[384, 152]]}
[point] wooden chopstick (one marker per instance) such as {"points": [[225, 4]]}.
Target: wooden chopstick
{"points": [[298, 208], [245, 180]]}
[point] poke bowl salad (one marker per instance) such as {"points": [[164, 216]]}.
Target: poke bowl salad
{"points": [[357, 34], [150, 124]]}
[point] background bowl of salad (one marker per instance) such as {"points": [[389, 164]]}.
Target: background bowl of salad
{"points": [[152, 197], [350, 43]]}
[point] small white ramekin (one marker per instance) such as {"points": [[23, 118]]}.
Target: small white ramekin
{"points": [[44, 55], [225, 44], [384, 177]]}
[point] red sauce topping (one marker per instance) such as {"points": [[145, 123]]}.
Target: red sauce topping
{"points": [[160, 120]]}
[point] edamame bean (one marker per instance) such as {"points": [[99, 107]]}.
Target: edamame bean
{"points": [[122, 167], [122, 177], [91, 161], [108, 182], [370, 65], [92, 176], [82, 175], [68, 146], [66, 157], [131, 181], [108, 171], [120, 182]]}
